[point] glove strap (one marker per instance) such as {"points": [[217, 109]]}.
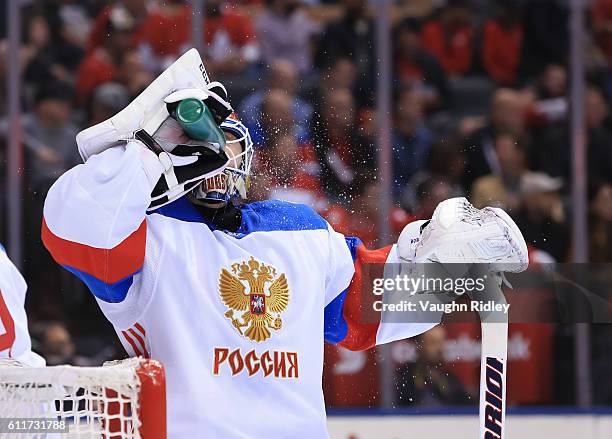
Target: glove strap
{"points": [[147, 140]]}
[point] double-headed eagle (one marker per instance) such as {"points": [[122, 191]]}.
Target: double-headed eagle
{"points": [[257, 304]]}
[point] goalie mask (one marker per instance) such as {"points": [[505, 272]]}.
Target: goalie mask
{"points": [[234, 181], [177, 117]]}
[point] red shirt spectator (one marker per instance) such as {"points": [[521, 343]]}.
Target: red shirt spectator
{"points": [[288, 171], [452, 49], [167, 30], [304, 176], [362, 217], [501, 51], [101, 64], [366, 229], [167, 33], [229, 36], [99, 30], [95, 69], [602, 24], [239, 28]]}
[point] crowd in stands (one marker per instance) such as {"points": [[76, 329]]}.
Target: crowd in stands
{"points": [[480, 109]]}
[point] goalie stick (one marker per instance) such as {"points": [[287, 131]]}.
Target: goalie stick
{"points": [[493, 369]]}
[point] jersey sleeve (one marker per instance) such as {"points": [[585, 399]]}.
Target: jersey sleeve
{"points": [[94, 221], [351, 320], [340, 267], [14, 336]]}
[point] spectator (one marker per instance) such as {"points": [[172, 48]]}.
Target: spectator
{"points": [[101, 64], [165, 34], [56, 345], [351, 36], [600, 253], [550, 105], [131, 73], [276, 116], [602, 26], [417, 68], [445, 161], [282, 76], [552, 82], [230, 38], [107, 100], [502, 189], [450, 38], [277, 121], [49, 136], [38, 38], [412, 139], [365, 203], [553, 152], [507, 114], [136, 10], [48, 53], [50, 149], [74, 24], [545, 37], [285, 31], [541, 217], [428, 194], [600, 225], [342, 151], [599, 138], [341, 74], [288, 171], [502, 41], [428, 382]]}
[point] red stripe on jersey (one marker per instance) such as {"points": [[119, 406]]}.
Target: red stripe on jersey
{"points": [[361, 335], [131, 342], [107, 265], [8, 338], [141, 341], [141, 329]]}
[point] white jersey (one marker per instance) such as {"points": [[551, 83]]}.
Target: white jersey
{"points": [[237, 319], [14, 336]]}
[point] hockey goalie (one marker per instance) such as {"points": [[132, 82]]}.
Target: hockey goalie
{"points": [[15, 343], [235, 298]]}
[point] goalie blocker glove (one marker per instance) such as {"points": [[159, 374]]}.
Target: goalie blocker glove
{"points": [[147, 119]]}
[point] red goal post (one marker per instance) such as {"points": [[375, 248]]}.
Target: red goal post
{"points": [[120, 400]]}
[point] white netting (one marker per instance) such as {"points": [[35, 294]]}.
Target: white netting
{"points": [[95, 401]]}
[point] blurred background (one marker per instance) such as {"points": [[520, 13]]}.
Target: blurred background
{"points": [[372, 113]]}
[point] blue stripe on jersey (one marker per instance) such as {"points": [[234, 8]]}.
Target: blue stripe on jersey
{"points": [[261, 216], [182, 210], [272, 215], [352, 244], [2, 248], [335, 326], [111, 293]]}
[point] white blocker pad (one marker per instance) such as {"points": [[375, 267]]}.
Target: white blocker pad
{"points": [[148, 110]]}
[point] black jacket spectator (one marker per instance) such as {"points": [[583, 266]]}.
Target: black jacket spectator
{"points": [[343, 152], [352, 36]]}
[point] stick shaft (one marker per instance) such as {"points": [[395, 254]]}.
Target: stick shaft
{"points": [[493, 372]]}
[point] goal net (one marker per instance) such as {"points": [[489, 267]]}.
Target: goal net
{"points": [[122, 399]]}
